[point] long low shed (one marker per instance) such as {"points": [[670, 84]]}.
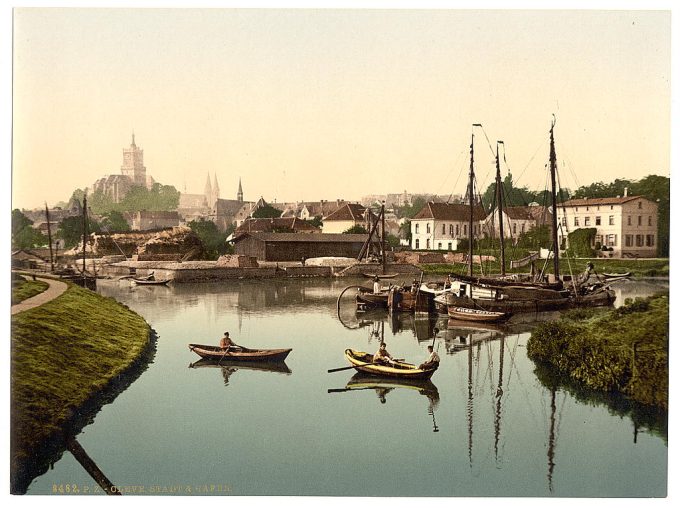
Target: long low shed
{"points": [[295, 246]]}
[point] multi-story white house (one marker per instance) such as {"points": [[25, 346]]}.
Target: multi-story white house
{"points": [[439, 226], [627, 225]]}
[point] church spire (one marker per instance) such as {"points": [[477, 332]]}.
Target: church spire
{"points": [[239, 194], [133, 138], [216, 189], [208, 191]]}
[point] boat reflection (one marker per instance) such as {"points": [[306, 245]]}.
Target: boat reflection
{"points": [[229, 368], [421, 326], [383, 386]]}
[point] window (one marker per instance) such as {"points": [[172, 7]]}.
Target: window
{"points": [[427, 243], [650, 220], [611, 207], [417, 244], [639, 205], [514, 228], [586, 221], [611, 220], [449, 245], [576, 221], [564, 220], [639, 220], [639, 240], [417, 229], [611, 240], [629, 221], [428, 227], [450, 232], [443, 229], [598, 220], [439, 245], [457, 229], [576, 209], [629, 240], [464, 229], [522, 230], [650, 240]]}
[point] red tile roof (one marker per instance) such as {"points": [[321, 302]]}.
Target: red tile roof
{"points": [[304, 237], [269, 225], [599, 201], [351, 211]]}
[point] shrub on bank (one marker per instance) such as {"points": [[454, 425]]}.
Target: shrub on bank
{"points": [[623, 350]]}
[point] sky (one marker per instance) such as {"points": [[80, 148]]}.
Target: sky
{"points": [[305, 104]]}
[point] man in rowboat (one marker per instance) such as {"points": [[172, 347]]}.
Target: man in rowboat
{"points": [[432, 360], [227, 343], [382, 356]]}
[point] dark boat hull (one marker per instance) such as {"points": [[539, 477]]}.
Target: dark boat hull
{"points": [[244, 355], [366, 300]]}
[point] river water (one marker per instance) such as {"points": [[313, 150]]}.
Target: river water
{"points": [[490, 423]]}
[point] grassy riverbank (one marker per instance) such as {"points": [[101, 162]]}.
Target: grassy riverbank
{"points": [[64, 353], [623, 350], [637, 267], [25, 289]]}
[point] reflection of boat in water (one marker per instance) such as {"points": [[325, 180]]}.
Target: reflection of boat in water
{"points": [[383, 276], [280, 367], [364, 363], [241, 355]]}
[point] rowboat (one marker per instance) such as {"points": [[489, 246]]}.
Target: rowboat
{"points": [[384, 276], [280, 367], [616, 275], [476, 315], [241, 355], [150, 282], [366, 299], [363, 362]]}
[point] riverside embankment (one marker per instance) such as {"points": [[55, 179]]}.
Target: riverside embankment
{"points": [[69, 356], [618, 351]]}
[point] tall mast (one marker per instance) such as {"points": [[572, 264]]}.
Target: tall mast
{"points": [[553, 170], [382, 235], [85, 225], [49, 235], [472, 204], [499, 207]]}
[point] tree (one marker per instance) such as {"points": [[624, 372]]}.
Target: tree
{"points": [[405, 230], [409, 211], [267, 212], [356, 230], [114, 222], [23, 235], [316, 221], [214, 242], [71, 230]]}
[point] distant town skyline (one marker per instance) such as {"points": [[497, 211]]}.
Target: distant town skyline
{"points": [[325, 104]]}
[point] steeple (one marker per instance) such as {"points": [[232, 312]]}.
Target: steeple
{"points": [[216, 189], [239, 194], [208, 191], [133, 139]]}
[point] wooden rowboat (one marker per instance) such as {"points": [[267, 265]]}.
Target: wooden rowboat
{"points": [[363, 362], [384, 276], [242, 354], [150, 282], [616, 275], [476, 315]]}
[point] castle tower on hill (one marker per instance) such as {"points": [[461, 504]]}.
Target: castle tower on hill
{"points": [[133, 164]]}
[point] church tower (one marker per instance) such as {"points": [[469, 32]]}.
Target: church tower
{"points": [[239, 194], [216, 189], [208, 192], [133, 164]]}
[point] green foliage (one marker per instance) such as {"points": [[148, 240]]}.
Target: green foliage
{"points": [[71, 230], [405, 230], [535, 238], [267, 212], [214, 242], [25, 289], [409, 211], [623, 350], [138, 198], [114, 222], [356, 229], [64, 352], [316, 221], [392, 241], [580, 243], [519, 196], [23, 235]]}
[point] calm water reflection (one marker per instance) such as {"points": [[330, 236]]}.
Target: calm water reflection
{"points": [[488, 424]]}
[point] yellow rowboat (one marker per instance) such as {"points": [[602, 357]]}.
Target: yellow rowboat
{"points": [[363, 362]]}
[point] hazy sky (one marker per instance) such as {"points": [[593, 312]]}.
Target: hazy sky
{"points": [[325, 104]]}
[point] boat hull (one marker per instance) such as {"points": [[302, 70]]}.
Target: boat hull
{"points": [[367, 300], [363, 363], [476, 315], [244, 355], [143, 282]]}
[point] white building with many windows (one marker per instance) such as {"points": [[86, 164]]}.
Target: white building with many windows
{"points": [[439, 226], [627, 225]]}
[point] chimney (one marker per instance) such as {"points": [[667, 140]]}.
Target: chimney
{"points": [[625, 192]]}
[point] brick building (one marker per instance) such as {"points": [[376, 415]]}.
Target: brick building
{"points": [[295, 246]]}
